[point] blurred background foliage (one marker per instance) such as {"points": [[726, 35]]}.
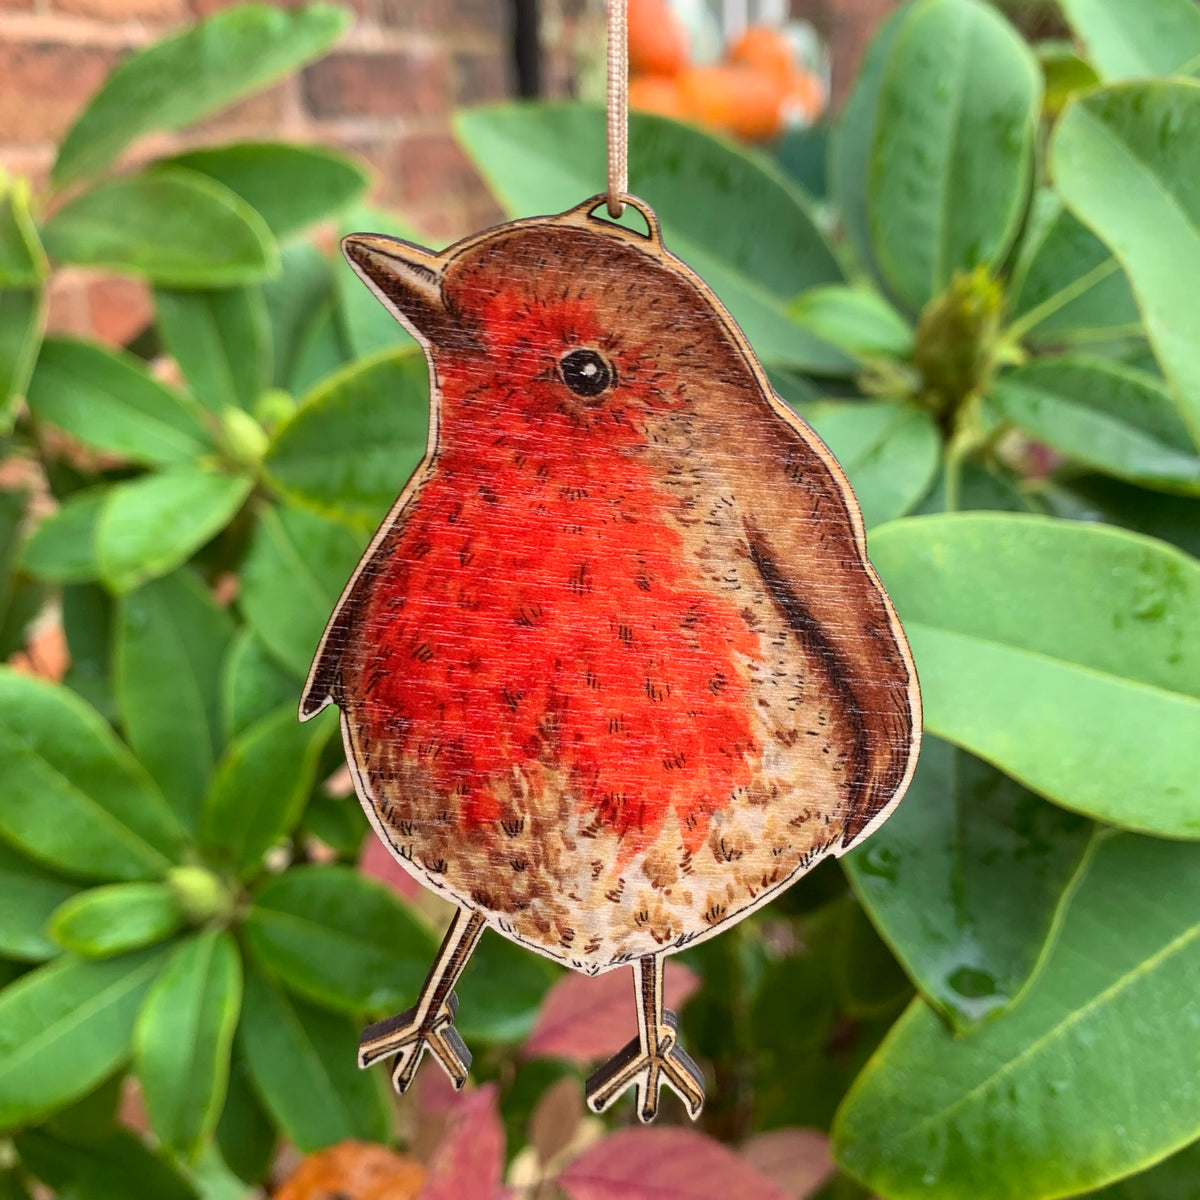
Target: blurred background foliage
{"points": [[984, 300]]}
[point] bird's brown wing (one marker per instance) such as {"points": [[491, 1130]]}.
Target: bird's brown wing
{"points": [[805, 536]]}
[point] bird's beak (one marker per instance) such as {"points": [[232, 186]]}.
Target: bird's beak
{"points": [[405, 277]]}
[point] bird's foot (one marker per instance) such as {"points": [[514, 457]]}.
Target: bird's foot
{"points": [[647, 1068], [408, 1036]]}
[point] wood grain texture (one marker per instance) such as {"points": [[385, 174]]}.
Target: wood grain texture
{"points": [[615, 668]]}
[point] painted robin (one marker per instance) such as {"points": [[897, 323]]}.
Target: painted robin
{"points": [[615, 669]]}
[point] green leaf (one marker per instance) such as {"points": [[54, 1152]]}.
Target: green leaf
{"points": [[302, 287], [172, 227], [966, 880], [353, 443], [1065, 72], [150, 526], [1092, 1076], [185, 77], [1067, 287], [337, 822], [365, 326], [1067, 655], [63, 547], [952, 157], [548, 158], [171, 642], [323, 347], [1173, 1179], [1106, 416], [291, 187], [22, 317], [296, 569], [501, 991], [855, 319], [22, 259], [340, 939], [261, 786], [30, 894], [221, 340], [183, 1040], [1123, 160], [1153, 37], [854, 136], [303, 1063], [87, 623], [245, 1135], [116, 918], [254, 685], [116, 1166], [64, 1028], [889, 451], [73, 796], [109, 400]]}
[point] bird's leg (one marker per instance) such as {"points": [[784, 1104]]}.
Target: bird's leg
{"points": [[428, 1025], [653, 1058]]}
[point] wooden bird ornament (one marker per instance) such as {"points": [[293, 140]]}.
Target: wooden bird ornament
{"points": [[615, 669]]}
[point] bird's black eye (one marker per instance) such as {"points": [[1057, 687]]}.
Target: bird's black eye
{"points": [[587, 372]]}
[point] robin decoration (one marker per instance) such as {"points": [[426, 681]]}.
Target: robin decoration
{"points": [[615, 670]]}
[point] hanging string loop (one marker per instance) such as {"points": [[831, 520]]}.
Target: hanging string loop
{"points": [[618, 107]]}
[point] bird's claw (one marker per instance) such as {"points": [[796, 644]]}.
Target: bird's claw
{"points": [[407, 1036], [647, 1069]]}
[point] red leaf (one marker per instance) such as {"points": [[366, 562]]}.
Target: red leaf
{"points": [[585, 1019], [663, 1164], [469, 1161], [376, 861], [797, 1161]]}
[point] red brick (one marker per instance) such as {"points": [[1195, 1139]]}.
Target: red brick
{"points": [[432, 167], [45, 85], [67, 307], [26, 5], [480, 78], [125, 10], [448, 16], [118, 309], [258, 114], [388, 84]]}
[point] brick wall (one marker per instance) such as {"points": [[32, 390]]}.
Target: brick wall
{"points": [[848, 26], [385, 93]]}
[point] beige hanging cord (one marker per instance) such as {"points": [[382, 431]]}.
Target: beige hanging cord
{"points": [[618, 107]]}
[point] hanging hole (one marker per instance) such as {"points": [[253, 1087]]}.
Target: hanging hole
{"points": [[637, 217]]}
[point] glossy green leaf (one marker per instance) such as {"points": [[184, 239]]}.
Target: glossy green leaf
{"points": [[172, 227], [221, 340], [546, 159], [185, 77], [149, 526], [13, 508], [245, 1135], [1173, 1179], [1067, 288], [337, 822], [1067, 655], [73, 796], [501, 991], [117, 1165], [889, 451], [365, 326], [1095, 1074], [63, 547], [857, 320], [340, 939], [353, 443], [301, 289], [183, 1038], [850, 151], [116, 918], [324, 348], [87, 623], [107, 399], [1102, 415], [22, 259], [303, 1063], [1123, 159], [22, 317], [31, 894], [1126, 41], [289, 186], [966, 881], [295, 571], [65, 1027], [171, 642], [254, 685], [952, 157], [261, 786], [1065, 73]]}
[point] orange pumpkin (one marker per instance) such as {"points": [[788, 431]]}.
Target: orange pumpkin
{"points": [[735, 100], [657, 94], [767, 50], [658, 42]]}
